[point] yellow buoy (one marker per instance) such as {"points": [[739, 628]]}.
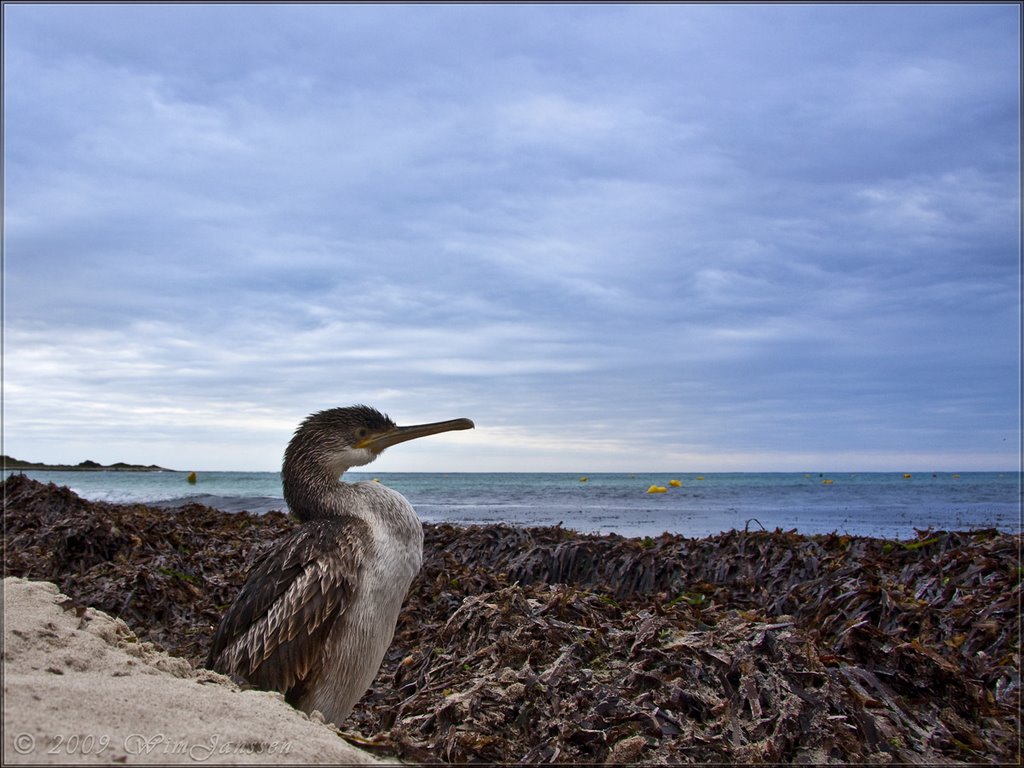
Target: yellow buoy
{"points": [[191, 478], [907, 475], [699, 477], [375, 480], [675, 483], [826, 482], [584, 479], [956, 476], [657, 489]]}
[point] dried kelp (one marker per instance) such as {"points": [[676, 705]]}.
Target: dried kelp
{"points": [[955, 595], [543, 645], [558, 675], [740, 647]]}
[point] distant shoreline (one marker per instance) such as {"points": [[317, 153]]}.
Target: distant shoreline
{"points": [[85, 466]]}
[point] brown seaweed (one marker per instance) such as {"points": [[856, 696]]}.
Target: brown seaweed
{"points": [[543, 645]]}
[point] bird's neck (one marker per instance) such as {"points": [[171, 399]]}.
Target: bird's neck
{"points": [[313, 492], [311, 479]]}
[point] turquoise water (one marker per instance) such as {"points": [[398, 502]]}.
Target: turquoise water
{"points": [[868, 504]]}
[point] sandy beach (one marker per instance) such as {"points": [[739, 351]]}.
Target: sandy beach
{"points": [[523, 645], [80, 687]]}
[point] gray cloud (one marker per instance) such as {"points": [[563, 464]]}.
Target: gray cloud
{"points": [[653, 235]]}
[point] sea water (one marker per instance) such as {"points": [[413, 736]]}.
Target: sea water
{"points": [[887, 505]]}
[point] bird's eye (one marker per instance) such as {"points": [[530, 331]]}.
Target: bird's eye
{"points": [[361, 433]]}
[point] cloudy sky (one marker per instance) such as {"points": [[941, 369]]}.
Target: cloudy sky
{"points": [[657, 237]]}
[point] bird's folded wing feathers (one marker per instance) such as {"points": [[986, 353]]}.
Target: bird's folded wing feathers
{"points": [[273, 633]]}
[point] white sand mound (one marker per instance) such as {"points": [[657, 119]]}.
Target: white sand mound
{"points": [[79, 687]]}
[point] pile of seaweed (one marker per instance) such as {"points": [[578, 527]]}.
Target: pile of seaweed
{"points": [[544, 645]]}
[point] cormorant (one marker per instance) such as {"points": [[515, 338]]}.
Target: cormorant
{"points": [[317, 613]]}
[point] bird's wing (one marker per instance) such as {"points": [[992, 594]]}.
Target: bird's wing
{"points": [[273, 633]]}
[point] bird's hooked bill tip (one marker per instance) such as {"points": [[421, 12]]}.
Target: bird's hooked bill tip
{"points": [[383, 440], [457, 424]]}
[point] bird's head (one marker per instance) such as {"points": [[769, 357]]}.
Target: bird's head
{"points": [[329, 442]]}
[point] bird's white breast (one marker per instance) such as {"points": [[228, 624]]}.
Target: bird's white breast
{"points": [[360, 639]]}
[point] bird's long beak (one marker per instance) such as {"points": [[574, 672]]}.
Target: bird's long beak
{"points": [[382, 440]]}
